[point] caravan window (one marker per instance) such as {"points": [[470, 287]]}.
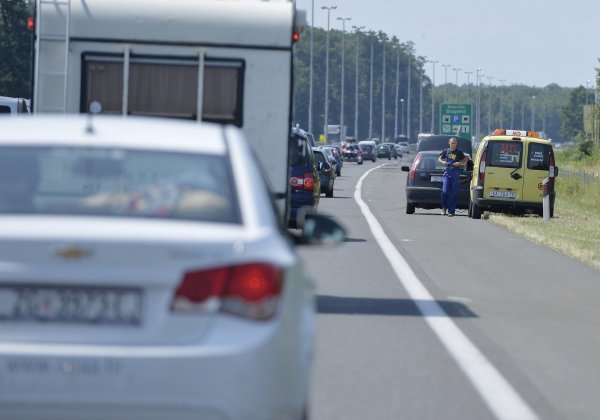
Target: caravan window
{"points": [[104, 83], [222, 92], [165, 87], [4, 109]]}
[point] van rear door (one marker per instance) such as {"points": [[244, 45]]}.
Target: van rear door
{"points": [[538, 156], [504, 170]]}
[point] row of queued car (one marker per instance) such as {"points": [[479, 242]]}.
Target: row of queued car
{"points": [[153, 267], [511, 173], [313, 172]]}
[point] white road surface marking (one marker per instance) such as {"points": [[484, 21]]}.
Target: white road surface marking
{"points": [[500, 397]]}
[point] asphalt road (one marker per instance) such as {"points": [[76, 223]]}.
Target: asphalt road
{"points": [[436, 317]]}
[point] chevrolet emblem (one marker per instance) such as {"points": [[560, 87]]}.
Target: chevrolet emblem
{"points": [[73, 252]]}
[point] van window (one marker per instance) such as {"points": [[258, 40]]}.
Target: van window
{"points": [[4, 109], [165, 87], [537, 157], [505, 154]]}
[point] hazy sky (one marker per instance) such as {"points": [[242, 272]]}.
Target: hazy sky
{"points": [[532, 42]]}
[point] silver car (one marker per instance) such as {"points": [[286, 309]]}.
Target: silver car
{"points": [[141, 277]]}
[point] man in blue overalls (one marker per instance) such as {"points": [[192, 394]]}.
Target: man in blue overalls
{"points": [[451, 158]]}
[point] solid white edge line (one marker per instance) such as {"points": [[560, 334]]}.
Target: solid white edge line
{"points": [[500, 397]]}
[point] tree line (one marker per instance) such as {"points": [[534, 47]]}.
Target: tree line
{"points": [[554, 109], [517, 106]]}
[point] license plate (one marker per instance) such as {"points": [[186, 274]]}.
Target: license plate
{"points": [[76, 305], [437, 179], [503, 194]]}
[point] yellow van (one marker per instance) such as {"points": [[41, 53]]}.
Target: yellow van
{"points": [[509, 169]]}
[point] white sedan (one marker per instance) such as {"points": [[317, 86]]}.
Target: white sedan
{"points": [[144, 275]]}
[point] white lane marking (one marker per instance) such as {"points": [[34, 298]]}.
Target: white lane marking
{"points": [[501, 398]]}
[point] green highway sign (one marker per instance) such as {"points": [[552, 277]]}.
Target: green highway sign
{"points": [[455, 119]]}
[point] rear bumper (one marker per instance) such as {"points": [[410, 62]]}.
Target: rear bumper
{"points": [[220, 382], [431, 197], [507, 206]]}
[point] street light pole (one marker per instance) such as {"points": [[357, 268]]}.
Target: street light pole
{"points": [[371, 91], [357, 29], [397, 91], [342, 124], [468, 73], [512, 109], [310, 83], [445, 66], [477, 103], [329, 9], [533, 113], [587, 88], [489, 104], [421, 70], [408, 97], [434, 62], [456, 70], [402, 114], [383, 94], [501, 108]]}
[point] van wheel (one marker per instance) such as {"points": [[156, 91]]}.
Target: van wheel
{"points": [[410, 208], [475, 211]]}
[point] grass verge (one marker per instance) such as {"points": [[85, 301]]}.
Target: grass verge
{"points": [[575, 229]]}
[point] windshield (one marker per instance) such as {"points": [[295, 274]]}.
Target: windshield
{"points": [[116, 182]]}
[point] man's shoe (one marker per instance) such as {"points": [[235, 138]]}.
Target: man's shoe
{"points": [[450, 215], [443, 213]]}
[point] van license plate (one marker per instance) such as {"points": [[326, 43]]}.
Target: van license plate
{"points": [[436, 179], [503, 194]]}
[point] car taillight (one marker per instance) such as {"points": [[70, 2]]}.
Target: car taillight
{"points": [[551, 172], [309, 181], [412, 173], [482, 167], [248, 290]]}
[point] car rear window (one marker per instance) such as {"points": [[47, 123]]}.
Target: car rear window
{"points": [[299, 151], [505, 154], [537, 157], [117, 182]]}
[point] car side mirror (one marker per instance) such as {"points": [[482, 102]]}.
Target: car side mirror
{"points": [[555, 171], [470, 165], [405, 169]]}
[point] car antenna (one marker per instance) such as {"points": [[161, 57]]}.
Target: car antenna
{"points": [[95, 108]]}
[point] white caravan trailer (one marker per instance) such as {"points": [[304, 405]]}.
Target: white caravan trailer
{"points": [[222, 61]]}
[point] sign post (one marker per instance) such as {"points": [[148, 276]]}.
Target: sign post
{"points": [[455, 120]]}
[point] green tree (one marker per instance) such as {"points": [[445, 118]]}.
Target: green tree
{"points": [[572, 113], [15, 49]]}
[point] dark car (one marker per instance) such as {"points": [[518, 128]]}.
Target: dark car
{"points": [[383, 151], [326, 172], [305, 184], [440, 142], [393, 151], [424, 183], [338, 158]]}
